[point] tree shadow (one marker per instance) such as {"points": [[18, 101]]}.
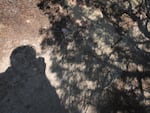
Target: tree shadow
{"points": [[119, 100], [139, 76], [88, 60], [140, 14], [24, 87]]}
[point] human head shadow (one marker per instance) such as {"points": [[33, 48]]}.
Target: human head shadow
{"points": [[24, 87]]}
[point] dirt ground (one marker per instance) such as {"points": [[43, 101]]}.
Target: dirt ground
{"points": [[20, 22], [84, 58]]}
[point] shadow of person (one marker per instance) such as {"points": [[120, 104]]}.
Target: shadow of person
{"points": [[24, 87]]}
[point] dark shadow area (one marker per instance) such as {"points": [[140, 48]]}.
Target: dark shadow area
{"points": [[140, 77], [24, 87], [119, 100], [88, 68]]}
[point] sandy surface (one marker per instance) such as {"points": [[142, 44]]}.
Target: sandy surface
{"points": [[83, 65], [20, 22]]}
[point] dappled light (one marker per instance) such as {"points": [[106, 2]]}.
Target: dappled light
{"points": [[94, 46], [75, 56]]}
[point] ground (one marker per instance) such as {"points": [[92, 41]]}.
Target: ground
{"points": [[97, 57], [19, 25]]}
